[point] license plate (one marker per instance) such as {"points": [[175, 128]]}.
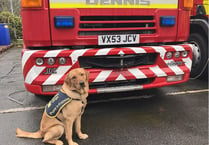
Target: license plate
{"points": [[118, 39]]}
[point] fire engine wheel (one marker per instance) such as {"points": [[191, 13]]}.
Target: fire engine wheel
{"points": [[200, 55]]}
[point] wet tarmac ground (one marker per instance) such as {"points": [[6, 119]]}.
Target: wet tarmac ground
{"points": [[173, 115]]}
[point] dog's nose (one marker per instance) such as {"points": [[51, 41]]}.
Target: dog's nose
{"points": [[82, 84]]}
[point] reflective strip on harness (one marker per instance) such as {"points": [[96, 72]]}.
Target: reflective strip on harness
{"points": [[114, 4], [56, 104]]}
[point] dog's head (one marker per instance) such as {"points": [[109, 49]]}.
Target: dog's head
{"points": [[77, 80]]}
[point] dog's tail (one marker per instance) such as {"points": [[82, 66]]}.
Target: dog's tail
{"points": [[21, 133]]}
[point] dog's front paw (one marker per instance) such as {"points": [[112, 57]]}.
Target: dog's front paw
{"points": [[75, 143], [72, 143], [83, 136]]}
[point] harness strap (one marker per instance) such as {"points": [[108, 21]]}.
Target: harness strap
{"points": [[78, 100], [58, 118]]}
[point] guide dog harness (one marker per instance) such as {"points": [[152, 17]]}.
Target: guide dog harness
{"points": [[56, 104]]}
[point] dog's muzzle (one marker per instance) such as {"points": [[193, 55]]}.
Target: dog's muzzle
{"points": [[82, 84]]}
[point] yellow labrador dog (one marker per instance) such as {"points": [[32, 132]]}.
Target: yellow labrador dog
{"points": [[59, 116]]}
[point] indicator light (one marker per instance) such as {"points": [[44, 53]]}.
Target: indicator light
{"points": [[31, 3], [188, 4]]}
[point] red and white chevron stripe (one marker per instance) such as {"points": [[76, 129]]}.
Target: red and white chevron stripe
{"points": [[33, 74]]}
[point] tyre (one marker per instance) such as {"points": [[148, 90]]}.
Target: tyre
{"points": [[200, 55]]}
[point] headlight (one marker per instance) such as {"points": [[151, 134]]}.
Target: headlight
{"points": [[177, 54], [185, 53], [169, 55], [62, 60], [51, 61], [39, 61]]}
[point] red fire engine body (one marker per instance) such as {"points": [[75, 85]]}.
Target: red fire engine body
{"points": [[199, 28], [125, 44]]}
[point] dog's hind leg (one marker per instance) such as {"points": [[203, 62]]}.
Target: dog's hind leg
{"points": [[21, 133], [53, 134]]}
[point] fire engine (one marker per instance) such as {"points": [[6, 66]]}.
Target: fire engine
{"points": [[199, 26], [126, 45]]}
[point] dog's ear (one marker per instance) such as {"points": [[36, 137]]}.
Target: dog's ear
{"points": [[68, 80], [87, 75]]}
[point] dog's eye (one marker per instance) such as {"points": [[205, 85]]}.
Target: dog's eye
{"points": [[82, 74], [74, 77]]}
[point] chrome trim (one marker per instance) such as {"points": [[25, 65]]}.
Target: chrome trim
{"points": [[119, 89]]}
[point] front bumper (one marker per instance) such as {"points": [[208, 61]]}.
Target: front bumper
{"points": [[109, 79]]}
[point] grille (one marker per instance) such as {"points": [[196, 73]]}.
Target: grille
{"points": [[108, 25], [117, 61], [120, 83]]}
